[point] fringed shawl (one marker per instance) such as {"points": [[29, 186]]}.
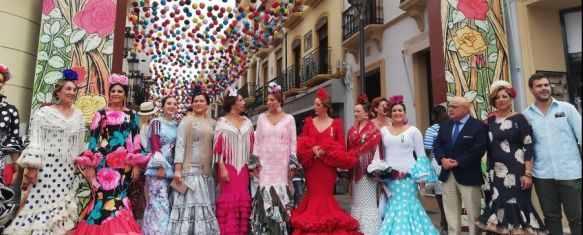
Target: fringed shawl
{"points": [[365, 143], [233, 145], [51, 133]]}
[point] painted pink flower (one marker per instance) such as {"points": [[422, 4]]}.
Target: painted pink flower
{"points": [[115, 117], [474, 9], [48, 6], [126, 202], [89, 159], [116, 159], [95, 121], [135, 145], [98, 16], [108, 178]]}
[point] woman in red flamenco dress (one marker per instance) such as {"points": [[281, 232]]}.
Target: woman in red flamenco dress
{"points": [[321, 149]]}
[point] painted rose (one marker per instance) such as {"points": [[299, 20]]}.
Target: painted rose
{"points": [[48, 6], [108, 178], [98, 16], [473, 9], [115, 117], [81, 73], [469, 41], [116, 159], [135, 145], [88, 105]]}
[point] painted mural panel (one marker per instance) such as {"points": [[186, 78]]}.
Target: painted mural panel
{"points": [[476, 49], [76, 34]]}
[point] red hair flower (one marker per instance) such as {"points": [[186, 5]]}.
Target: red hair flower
{"points": [[511, 91], [322, 94], [362, 99], [396, 99]]}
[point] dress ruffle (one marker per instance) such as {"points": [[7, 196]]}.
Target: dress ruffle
{"points": [[305, 152], [336, 156], [320, 214], [233, 211], [62, 218], [511, 218], [422, 171], [271, 211], [122, 224]]}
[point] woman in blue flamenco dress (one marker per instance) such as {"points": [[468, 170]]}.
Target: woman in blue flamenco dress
{"points": [[111, 163], [404, 213]]}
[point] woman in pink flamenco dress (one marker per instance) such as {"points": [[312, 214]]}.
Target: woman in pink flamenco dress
{"points": [[321, 149], [233, 147]]}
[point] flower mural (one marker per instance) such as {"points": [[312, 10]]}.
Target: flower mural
{"points": [[476, 50], [98, 16], [89, 104]]}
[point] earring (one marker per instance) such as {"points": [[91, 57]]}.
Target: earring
{"points": [[406, 120], [278, 109]]}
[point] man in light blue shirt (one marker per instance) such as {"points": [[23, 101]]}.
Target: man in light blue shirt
{"points": [[557, 162]]}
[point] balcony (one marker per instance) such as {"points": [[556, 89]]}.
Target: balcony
{"points": [[311, 3], [291, 80], [249, 100], [260, 105], [373, 26], [262, 52], [316, 67], [294, 18], [276, 40], [415, 9]]}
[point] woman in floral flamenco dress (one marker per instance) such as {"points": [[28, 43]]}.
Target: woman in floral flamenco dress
{"points": [[321, 149], [110, 164]]}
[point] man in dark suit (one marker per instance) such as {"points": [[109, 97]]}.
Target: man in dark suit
{"points": [[461, 142]]}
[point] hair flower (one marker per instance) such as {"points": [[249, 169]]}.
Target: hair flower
{"points": [[396, 99], [70, 75], [118, 79], [322, 94], [362, 99], [5, 72], [231, 91], [272, 87]]}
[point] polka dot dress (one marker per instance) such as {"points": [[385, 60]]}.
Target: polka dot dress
{"points": [[9, 142], [364, 206], [51, 206], [405, 214]]}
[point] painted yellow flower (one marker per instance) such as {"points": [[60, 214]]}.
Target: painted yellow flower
{"points": [[469, 41], [109, 205], [89, 104]]}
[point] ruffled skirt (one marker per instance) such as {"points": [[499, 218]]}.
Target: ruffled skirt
{"points": [[321, 214], [122, 224], [194, 211], [234, 202], [405, 213], [271, 211]]}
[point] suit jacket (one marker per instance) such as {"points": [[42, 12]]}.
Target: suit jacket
{"points": [[468, 150]]}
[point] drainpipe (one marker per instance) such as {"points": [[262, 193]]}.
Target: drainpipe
{"points": [[514, 54]]}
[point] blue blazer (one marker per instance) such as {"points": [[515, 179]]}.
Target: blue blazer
{"points": [[468, 150]]}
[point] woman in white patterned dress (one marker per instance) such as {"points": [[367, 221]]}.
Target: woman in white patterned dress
{"points": [[57, 135]]}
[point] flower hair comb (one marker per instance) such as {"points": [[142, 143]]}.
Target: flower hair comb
{"points": [[396, 99], [231, 91], [322, 94], [362, 99], [272, 87], [5, 72], [118, 79], [70, 75]]}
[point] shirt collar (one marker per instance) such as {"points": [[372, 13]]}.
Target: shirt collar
{"points": [[533, 106], [464, 119]]}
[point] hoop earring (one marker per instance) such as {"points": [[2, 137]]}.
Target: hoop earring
{"points": [[279, 109]]}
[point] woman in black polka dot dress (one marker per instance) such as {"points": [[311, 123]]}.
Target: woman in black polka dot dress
{"points": [[56, 137], [10, 146]]}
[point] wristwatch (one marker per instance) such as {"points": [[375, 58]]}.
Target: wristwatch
{"points": [[528, 173]]}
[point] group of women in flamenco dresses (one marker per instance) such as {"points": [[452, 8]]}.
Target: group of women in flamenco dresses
{"points": [[182, 156]]}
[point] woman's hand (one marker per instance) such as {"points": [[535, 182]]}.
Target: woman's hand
{"points": [[316, 150], [161, 174], [223, 173], [136, 173], [30, 177], [290, 174], [178, 178], [89, 173], [525, 182]]}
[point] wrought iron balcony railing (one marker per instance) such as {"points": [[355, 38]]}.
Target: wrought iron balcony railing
{"points": [[373, 14], [316, 62]]}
